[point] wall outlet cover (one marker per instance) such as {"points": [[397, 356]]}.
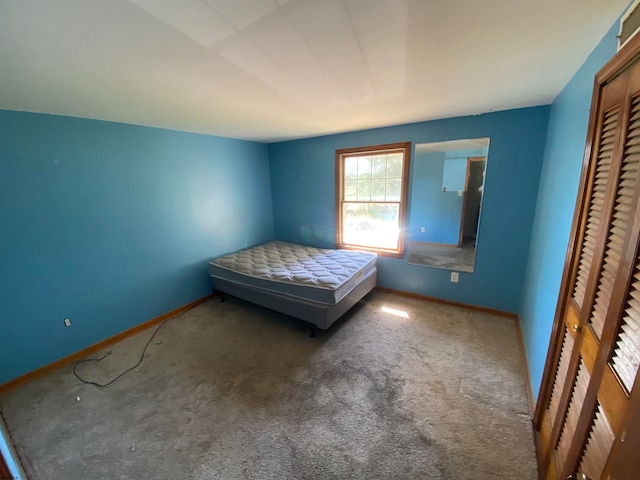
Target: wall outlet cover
{"points": [[455, 276]]}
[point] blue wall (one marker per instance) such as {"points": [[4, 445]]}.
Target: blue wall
{"points": [[303, 192], [556, 202], [437, 211], [112, 225], [455, 173]]}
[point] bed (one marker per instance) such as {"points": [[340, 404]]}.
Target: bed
{"points": [[317, 285]]}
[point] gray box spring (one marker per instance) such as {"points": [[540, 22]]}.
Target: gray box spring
{"points": [[316, 285]]}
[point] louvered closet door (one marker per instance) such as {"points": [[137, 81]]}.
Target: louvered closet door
{"points": [[598, 347]]}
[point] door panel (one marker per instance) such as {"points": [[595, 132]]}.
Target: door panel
{"points": [[4, 469], [594, 274], [596, 205], [593, 360], [626, 355], [624, 461], [573, 414], [606, 400], [563, 366], [598, 445]]}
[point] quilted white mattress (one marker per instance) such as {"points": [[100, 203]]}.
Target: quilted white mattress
{"points": [[318, 274]]}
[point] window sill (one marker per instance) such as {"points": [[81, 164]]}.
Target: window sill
{"points": [[380, 251]]}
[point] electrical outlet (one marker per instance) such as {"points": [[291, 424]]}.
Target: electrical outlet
{"points": [[422, 229], [455, 276], [67, 322]]}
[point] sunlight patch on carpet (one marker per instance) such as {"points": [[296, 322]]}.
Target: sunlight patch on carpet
{"points": [[393, 311]]}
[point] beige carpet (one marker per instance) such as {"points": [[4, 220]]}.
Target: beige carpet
{"points": [[460, 259], [234, 391]]}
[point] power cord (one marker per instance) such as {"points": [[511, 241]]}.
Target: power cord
{"points": [[144, 350]]}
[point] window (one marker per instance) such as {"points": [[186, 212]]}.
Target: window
{"points": [[371, 197]]}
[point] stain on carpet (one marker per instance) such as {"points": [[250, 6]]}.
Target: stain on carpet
{"points": [[235, 391]]}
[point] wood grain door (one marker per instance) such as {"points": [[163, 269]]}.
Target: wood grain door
{"points": [[584, 403], [4, 469], [472, 200], [625, 461]]}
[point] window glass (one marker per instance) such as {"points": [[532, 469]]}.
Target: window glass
{"points": [[371, 194]]}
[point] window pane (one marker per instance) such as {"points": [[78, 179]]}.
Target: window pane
{"points": [[351, 167], [379, 166], [371, 189], [394, 186], [351, 190], [378, 189], [364, 190], [364, 167], [371, 225], [394, 165]]}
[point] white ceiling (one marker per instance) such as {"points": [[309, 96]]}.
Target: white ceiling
{"points": [[270, 70]]}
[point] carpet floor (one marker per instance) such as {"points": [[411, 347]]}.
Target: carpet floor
{"points": [[450, 258], [233, 391]]}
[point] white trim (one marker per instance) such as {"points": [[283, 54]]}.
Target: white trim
{"points": [[624, 16]]}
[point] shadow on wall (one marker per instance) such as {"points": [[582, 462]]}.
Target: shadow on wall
{"points": [[318, 235]]}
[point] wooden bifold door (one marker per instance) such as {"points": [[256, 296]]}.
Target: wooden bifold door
{"points": [[4, 469], [588, 408]]}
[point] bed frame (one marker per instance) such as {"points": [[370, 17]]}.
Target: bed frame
{"points": [[318, 314]]}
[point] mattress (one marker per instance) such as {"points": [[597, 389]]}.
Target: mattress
{"points": [[318, 274]]}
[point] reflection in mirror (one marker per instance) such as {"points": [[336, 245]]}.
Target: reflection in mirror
{"points": [[446, 196]]}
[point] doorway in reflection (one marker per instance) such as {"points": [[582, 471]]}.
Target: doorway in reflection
{"points": [[446, 200]]}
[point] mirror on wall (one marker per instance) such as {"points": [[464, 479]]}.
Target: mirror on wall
{"points": [[445, 204]]}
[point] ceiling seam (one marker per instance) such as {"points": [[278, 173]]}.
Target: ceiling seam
{"points": [[366, 61], [212, 8], [338, 87]]}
